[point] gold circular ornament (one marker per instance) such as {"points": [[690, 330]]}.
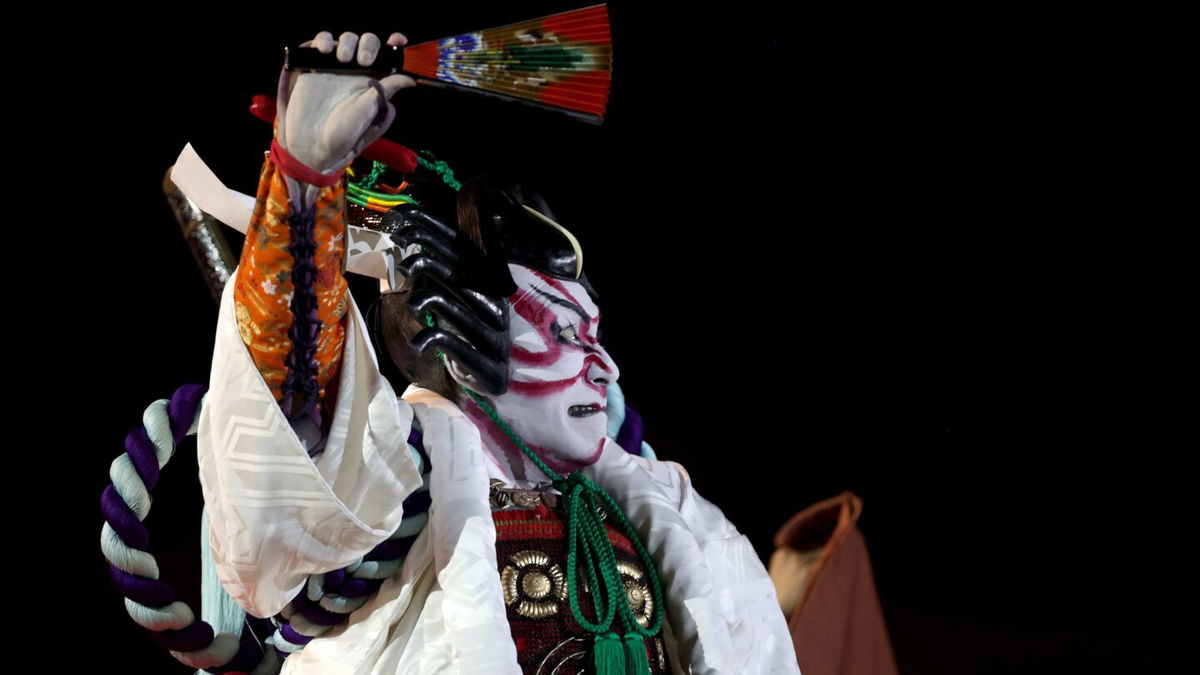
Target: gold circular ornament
{"points": [[536, 585], [533, 583], [641, 600], [637, 592]]}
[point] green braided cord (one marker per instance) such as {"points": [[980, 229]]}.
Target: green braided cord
{"points": [[437, 166], [603, 604], [602, 596], [626, 527], [377, 169], [596, 538]]}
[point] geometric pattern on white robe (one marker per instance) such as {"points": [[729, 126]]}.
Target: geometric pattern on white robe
{"points": [[276, 515]]}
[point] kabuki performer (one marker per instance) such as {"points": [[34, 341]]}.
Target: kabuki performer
{"points": [[502, 515]]}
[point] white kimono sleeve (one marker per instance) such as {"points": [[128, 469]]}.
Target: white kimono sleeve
{"points": [[721, 604], [277, 515]]}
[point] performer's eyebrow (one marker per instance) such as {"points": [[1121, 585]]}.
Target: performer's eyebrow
{"points": [[564, 302]]}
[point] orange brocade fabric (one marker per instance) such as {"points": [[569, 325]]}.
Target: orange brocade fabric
{"points": [[263, 288]]}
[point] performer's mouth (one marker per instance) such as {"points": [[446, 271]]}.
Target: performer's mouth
{"points": [[585, 410]]}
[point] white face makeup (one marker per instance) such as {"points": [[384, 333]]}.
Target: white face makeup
{"points": [[558, 377]]}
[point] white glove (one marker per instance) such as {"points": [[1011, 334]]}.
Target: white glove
{"points": [[325, 120]]}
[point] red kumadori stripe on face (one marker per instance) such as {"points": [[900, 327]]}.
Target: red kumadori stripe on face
{"points": [[535, 314], [534, 310], [545, 388], [557, 285], [565, 468]]}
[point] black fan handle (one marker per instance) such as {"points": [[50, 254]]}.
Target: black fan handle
{"points": [[389, 61]]}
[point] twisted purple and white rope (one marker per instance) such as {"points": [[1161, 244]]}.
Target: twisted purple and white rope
{"points": [[327, 600]]}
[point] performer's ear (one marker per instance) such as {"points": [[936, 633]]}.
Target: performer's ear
{"points": [[460, 374]]}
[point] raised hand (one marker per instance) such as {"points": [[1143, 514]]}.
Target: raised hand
{"points": [[325, 119]]}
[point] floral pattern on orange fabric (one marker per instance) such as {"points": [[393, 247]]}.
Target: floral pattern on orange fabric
{"points": [[263, 286]]}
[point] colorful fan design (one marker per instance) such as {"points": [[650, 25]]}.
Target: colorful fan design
{"points": [[562, 62]]}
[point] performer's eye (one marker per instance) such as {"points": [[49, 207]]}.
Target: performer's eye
{"points": [[569, 333]]}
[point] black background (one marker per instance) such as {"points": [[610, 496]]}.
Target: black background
{"points": [[923, 255]]}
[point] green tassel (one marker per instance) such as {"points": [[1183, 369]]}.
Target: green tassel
{"points": [[636, 661], [607, 655]]}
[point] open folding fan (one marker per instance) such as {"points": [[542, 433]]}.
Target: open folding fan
{"points": [[561, 62]]}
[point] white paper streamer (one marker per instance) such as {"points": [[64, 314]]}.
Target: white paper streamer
{"points": [[368, 252]]}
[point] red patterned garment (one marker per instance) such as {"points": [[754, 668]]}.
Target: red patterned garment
{"points": [[532, 555]]}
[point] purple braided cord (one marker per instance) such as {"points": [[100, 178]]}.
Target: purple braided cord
{"points": [[181, 412], [144, 456], [390, 549], [334, 579], [306, 324], [149, 592], [293, 637], [315, 613], [122, 519], [190, 638]]}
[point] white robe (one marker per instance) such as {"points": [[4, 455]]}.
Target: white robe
{"points": [[277, 516]]}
